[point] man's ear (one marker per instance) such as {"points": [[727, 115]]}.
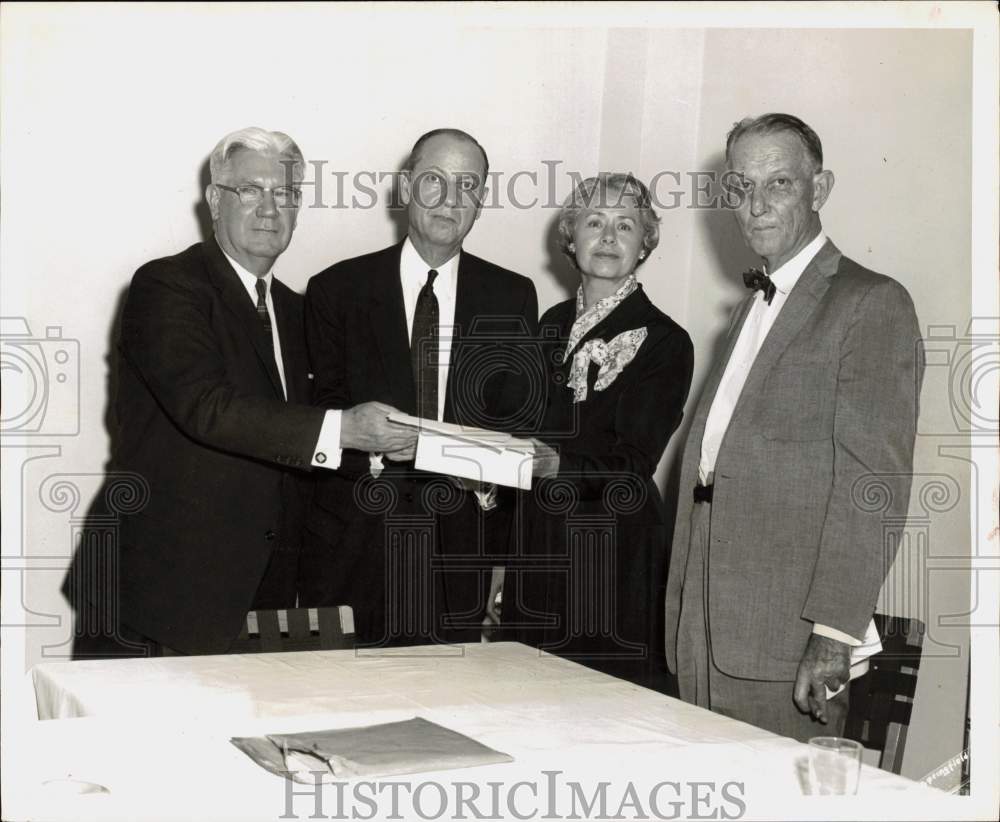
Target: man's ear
{"points": [[212, 198], [404, 187], [822, 186]]}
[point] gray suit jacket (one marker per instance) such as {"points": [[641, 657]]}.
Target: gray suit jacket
{"points": [[813, 469]]}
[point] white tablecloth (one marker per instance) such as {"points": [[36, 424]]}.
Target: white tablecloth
{"points": [[156, 735]]}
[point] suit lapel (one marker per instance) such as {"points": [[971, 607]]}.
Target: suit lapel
{"points": [[692, 447], [238, 303], [284, 321], [388, 322], [801, 303], [468, 295], [715, 376]]}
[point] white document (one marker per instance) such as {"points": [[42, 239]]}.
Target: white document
{"points": [[471, 453]]}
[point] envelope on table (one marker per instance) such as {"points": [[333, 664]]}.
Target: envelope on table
{"points": [[414, 746], [471, 453]]}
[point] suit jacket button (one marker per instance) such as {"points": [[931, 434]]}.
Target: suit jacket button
{"points": [[269, 536], [320, 457]]}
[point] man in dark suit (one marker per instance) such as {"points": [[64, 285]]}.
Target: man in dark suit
{"points": [[439, 333], [215, 420], [777, 562]]}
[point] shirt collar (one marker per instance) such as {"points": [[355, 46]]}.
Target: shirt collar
{"points": [[413, 269], [785, 277], [248, 278]]}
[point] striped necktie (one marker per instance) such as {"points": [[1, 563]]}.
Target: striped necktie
{"points": [[262, 314], [424, 349]]}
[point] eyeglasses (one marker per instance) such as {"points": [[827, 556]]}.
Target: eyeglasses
{"points": [[250, 194]]}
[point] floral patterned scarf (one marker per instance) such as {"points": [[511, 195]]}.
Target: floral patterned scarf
{"points": [[612, 356]]}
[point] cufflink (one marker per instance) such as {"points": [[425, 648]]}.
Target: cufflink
{"points": [[320, 457]]}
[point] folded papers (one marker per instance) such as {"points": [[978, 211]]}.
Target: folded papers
{"points": [[471, 453], [413, 746]]}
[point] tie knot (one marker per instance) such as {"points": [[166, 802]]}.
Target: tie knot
{"points": [[431, 276], [261, 286]]}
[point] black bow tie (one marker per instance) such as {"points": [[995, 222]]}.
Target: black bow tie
{"points": [[759, 281]]}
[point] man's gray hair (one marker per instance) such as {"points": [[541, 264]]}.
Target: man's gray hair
{"points": [[251, 139], [773, 123], [596, 192]]}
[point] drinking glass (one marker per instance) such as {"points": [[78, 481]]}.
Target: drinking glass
{"points": [[834, 765]]}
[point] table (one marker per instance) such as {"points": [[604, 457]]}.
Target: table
{"points": [[155, 732]]}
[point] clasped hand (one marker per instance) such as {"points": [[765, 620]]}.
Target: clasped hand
{"points": [[366, 427]]}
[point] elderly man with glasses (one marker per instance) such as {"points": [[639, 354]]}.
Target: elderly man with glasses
{"points": [[216, 425]]}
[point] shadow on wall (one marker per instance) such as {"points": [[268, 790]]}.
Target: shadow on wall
{"points": [[557, 265], [94, 563], [92, 573], [727, 257], [395, 210], [201, 211]]}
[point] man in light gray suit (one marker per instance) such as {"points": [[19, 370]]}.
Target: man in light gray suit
{"points": [[776, 563]]}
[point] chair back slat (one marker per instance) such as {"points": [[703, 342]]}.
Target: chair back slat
{"points": [[881, 702], [331, 633], [298, 625], [292, 629], [270, 631], [891, 682]]}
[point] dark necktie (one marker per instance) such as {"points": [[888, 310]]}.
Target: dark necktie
{"points": [[424, 349], [262, 315], [759, 281]]}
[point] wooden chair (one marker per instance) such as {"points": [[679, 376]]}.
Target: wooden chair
{"points": [[881, 702], [293, 629]]}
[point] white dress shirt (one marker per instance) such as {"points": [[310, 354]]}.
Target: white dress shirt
{"points": [[413, 270], [752, 336], [755, 329], [412, 276], [326, 454]]}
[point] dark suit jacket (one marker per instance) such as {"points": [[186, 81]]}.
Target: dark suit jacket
{"points": [[202, 419], [360, 352], [813, 473]]}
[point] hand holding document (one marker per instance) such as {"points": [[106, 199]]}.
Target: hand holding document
{"points": [[471, 453]]}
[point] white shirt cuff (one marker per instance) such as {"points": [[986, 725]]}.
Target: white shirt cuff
{"points": [[833, 633], [326, 454]]}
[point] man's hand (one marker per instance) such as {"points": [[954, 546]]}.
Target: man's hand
{"points": [[546, 460], [366, 428], [826, 663], [403, 454]]}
